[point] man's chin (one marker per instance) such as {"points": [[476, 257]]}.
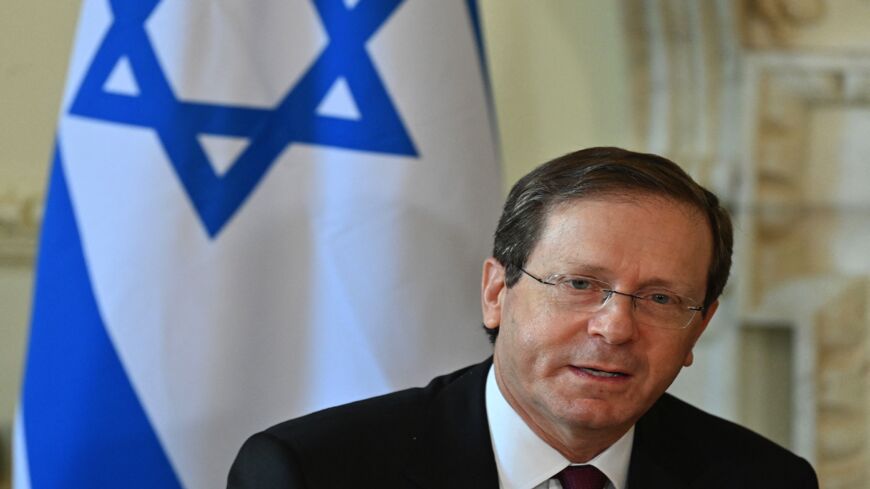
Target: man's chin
{"points": [[596, 415]]}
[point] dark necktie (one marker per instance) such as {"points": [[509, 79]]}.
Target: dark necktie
{"points": [[581, 477]]}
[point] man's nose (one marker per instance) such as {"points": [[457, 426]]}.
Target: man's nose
{"points": [[615, 321]]}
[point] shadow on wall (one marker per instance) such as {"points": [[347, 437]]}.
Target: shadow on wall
{"points": [[5, 457]]}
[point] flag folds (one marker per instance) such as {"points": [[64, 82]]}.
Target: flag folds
{"points": [[256, 210]]}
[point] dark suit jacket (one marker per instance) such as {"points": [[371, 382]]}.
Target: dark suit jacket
{"points": [[437, 437]]}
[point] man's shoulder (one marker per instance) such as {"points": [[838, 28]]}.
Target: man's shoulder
{"points": [[396, 409], [385, 421], [373, 438], [695, 426], [677, 433]]}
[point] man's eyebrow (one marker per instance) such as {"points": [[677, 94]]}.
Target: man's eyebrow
{"points": [[581, 268], [667, 284]]}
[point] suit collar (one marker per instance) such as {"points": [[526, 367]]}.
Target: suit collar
{"points": [[454, 447]]}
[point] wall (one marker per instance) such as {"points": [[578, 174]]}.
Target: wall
{"points": [[35, 40], [559, 78]]}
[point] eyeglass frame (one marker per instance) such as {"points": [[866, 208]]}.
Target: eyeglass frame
{"points": [[610, 292]]}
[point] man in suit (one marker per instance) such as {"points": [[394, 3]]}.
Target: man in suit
{"points": [[607, 267]]}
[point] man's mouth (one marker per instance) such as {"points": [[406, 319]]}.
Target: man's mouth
{"points": [[601, 373]]}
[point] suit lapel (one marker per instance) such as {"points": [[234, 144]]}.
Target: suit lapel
{"points": [[454, 448], [644, 471], [656, 461]]}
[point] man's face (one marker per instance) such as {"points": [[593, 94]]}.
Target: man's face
{"points": [[545, 351]]}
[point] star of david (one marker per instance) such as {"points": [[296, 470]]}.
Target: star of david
{"points": [[216, 198]]}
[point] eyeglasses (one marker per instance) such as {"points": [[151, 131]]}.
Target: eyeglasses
{"points": [[656, 307]]}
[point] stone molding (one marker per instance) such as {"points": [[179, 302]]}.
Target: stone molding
{"points": [[830, 319], [782, 91], [772, 23], [686, 72], [20, 217]]}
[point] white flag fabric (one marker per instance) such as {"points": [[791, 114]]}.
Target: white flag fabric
{"points": [[256, 210]]}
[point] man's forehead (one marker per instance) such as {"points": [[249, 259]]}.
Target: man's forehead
{"points": [[626, 196], [583, 235], [642, 202]]}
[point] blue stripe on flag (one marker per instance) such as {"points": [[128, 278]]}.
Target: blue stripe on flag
{"points": [[474, 18], [84, 425]]}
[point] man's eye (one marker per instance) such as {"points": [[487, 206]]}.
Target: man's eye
{"points": [[663, 299], [580, 284]]}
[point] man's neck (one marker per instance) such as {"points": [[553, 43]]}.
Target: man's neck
{"points": [[524, 459]]}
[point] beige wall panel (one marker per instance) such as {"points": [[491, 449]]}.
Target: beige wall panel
{"points": [[35, 42], [559, 77]]}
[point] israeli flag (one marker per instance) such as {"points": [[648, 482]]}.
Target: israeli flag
{"points": [[256, 209]]}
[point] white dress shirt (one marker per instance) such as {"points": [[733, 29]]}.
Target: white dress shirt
{"points": [[525, 461]]}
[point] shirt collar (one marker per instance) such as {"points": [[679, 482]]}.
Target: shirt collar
{"points": [[524, 460]]}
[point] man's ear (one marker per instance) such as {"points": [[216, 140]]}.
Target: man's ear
{"points": [[697, 330], [491, 292]]}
